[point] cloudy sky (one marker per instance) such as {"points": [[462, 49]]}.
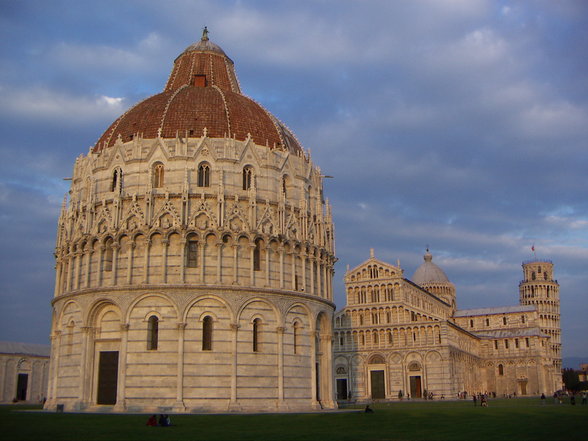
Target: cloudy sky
{"points": [[458, 124]]}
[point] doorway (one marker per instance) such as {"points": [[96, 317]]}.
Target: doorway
{"points": [[377, 385], [107, 377], [21, 387], [341, 388], [416, 387]]}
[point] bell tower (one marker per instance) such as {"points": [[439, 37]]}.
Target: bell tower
{"points": [[540, 289]]}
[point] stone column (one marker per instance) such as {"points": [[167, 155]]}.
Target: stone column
{"points": [[234, 403], [251, 264], [280, 335], [327, 369], [115, 247], [184, 245], [281, 253], [131, 257], [202, 249], [100, 265], [56, 348], [268, 251], [235, 280], [57, 286], [313, 360], [219, 262], [121, 404], [89, 267], [293, 255], [303, 260], [179, 406], [70, 272], [78, 267], [86, 378], [146, 261], [312, 261], [165, 247]]}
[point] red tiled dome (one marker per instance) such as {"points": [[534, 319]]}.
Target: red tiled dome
{"points": [[202, 92]]}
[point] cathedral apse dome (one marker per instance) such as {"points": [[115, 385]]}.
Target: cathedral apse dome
{"points": [[194, 258]]}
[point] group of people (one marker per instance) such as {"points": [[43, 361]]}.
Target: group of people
{"points": [[558, 397], [163, 421], [483, 398]]}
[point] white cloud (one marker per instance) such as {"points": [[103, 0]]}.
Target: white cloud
{"points": [[50, 105]]}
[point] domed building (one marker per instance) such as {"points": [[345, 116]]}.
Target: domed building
{"points": [[194, 258], [434, 280], [397, 337]]}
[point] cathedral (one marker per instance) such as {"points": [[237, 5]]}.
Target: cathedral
{"points": [[194, 258], [399, 338], [194, 267]]}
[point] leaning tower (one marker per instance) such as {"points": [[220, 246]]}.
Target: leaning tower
{"points": [[194, 258], [538, 288]]}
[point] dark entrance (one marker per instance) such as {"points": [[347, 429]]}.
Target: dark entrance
{"points": [[415, 387], [21, 387], [318, 383], [107, 377], [341, 388], [377, 380]]}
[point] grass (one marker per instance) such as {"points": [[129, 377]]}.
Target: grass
{"points": [[516, 419]]}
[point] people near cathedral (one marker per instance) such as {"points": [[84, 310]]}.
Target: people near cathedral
{"points": [[474, 398], [484, 401], [368, 409], [152, 421]]}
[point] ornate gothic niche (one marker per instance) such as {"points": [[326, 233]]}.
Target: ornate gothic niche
{"points": [[376, 359], [341, 370], [414, 366]]}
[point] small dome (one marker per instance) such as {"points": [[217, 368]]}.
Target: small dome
{"points": [[428, 272]]}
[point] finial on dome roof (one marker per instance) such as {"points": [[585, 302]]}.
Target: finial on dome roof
{"points": [[372, 253], [428, 256], [205, 34]]}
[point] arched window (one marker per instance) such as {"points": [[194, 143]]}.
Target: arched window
{"points": [[152, 333], [204, 175], [207, 333], [257, 256], [117, 180], [504, 320], [255, 337], [522, 319], [192, 253], [158, 175], [533, 276], [296, 331], [247, 178], [500, 369]]}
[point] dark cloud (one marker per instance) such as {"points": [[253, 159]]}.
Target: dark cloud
{"points": [[461, 125]]}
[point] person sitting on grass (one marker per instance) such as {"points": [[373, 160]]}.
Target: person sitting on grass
{"points": [[483, 401], [152, 421]]}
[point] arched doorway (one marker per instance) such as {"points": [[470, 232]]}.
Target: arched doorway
{"points": [[415, 379], [377, 377]]}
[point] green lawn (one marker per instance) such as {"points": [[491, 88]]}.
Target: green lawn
{"points": [[517, 419]]}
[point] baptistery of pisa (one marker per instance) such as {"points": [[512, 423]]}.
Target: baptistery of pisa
{"points": [[194, 258]]}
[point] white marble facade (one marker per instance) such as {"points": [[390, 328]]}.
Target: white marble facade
{"points": [[194, 271]]}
